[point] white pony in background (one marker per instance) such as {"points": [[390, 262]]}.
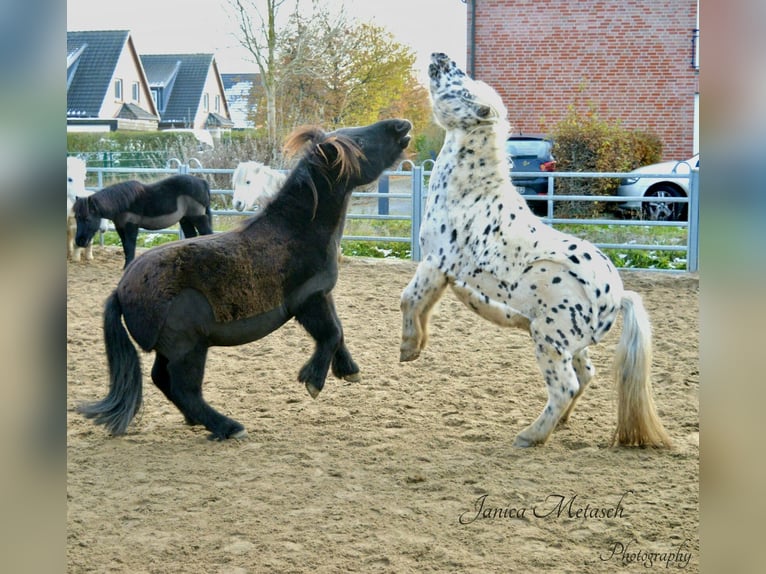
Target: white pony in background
{"points": [[75, 187], [254, 185]]}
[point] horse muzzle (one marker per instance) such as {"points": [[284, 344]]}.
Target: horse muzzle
{"points": [[404, 128]]}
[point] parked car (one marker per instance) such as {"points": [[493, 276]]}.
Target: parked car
{"points": [[659, 187], [531, 153]]}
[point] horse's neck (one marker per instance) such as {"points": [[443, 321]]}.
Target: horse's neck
{"points": [[483, 142], [481, 151], [296, 205]]}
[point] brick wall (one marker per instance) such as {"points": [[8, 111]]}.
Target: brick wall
{"points": [[631, 57]]}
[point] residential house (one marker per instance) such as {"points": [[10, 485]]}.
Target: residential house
{"points": [[637, 62], [188, 92], [107, 89], [238, 89]]}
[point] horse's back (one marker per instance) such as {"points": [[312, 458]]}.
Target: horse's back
{"points": [[184, 184]]}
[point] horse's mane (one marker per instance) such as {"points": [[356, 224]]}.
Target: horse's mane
{"points": [[347, 153], [112, 199], [316, 146]]}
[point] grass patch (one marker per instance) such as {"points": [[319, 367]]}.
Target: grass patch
{"points": [[378, 249], [145, 239], [602, 234]]}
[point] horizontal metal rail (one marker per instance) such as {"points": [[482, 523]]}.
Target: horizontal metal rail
{"points": [[416, 198]]}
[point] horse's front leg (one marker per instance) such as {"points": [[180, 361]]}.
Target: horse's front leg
{"points": [[128, 236], [417, 302], [319, 318]]}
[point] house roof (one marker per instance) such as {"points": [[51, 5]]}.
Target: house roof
{"points": [[186, 73], [237, 88], [95, 55], [134, 112], [215, 120]]}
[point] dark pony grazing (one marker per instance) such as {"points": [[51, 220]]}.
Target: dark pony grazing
{"points": [[132, 204], [181, 298]]}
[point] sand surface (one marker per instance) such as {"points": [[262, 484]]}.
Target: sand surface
{"points": [[410, 470]]}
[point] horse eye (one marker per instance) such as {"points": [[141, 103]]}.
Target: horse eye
{"points": [[69, 179], [247, 182]]}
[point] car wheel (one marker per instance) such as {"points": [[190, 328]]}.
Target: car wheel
{"points": [[662, 211]]}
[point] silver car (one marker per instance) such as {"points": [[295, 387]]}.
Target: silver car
{"points": [[659, 187]]}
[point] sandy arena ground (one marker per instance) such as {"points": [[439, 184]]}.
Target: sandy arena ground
{"points": [[411, 470]]}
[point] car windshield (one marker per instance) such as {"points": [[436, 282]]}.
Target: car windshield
{"points": [[526, 148]]}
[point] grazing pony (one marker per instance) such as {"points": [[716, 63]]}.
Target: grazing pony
{"points": [[132, 204], [255, 185], [75, 187], [480, 238], [231, 288]]}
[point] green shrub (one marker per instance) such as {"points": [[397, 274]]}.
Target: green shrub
{"points": [[585, 142]]}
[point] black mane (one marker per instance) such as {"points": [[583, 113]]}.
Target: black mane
{"points": [[112, 199], [335, 158]]}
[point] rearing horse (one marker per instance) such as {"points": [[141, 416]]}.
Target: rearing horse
{"points": [[480, 238], [181, 298]]}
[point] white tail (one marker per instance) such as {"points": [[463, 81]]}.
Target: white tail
{"points": [[637, 420]]}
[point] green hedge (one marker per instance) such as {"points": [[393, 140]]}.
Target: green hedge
{"points": [[585, 142]]}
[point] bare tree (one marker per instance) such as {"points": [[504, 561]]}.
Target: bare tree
{"points": [[256, 21]]}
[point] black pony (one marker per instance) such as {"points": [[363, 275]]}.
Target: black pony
{"points": [[180, 298], [132, 204]]}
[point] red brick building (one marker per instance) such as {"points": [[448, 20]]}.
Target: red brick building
{"points": [[634, 59]]}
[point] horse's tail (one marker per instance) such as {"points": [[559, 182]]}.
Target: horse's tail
{"points": [[637, 420], [124, 398]]}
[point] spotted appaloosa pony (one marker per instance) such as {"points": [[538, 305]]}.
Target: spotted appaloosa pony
{"points": [[181, 298], [255, 184], [480, 238]]}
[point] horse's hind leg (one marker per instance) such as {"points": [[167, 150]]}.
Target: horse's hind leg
{"points": [[319, 318], [188, 227], [555, 363], [417, 302], [185, 375], [161, 378], [585, 371], [201, 224]]}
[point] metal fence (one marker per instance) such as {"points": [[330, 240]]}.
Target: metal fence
{"points": [[416, 192]]}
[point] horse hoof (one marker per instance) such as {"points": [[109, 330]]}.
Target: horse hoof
{"points": [[522, 442], [313, 391], [239, 434], [407, 355], [353, 377]]}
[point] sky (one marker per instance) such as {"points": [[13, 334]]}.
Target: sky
{"points": [[205, 26]]}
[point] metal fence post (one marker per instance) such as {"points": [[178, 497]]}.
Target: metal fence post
{"points": [[417, 210], [693, 236], [183, 169], [383, 185]]}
